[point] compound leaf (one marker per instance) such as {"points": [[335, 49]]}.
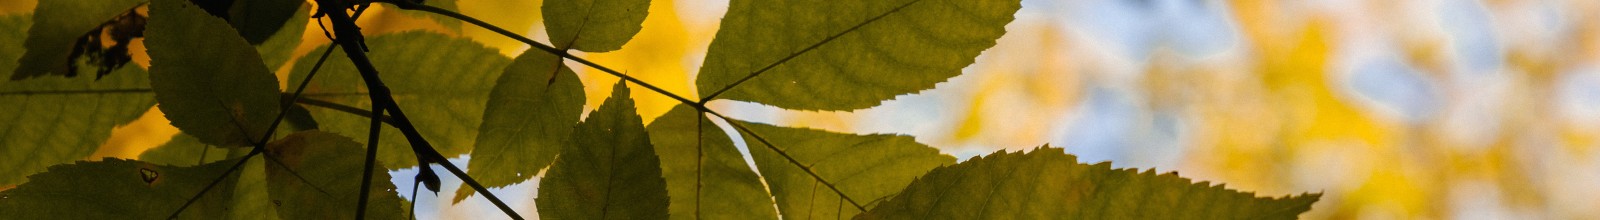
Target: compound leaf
{"points": [[609, 172], [864, 168], [594, 25], [706, 176], [1048, 183], [221, 94], [528, 120], [845, 55], [442, 84]]}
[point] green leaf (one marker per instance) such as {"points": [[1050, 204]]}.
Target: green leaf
{"points": [[609, 172], [11, 41], [53, 120], [846, 55], [528, 120], [221, 94], [120, 189], [184, 150], [706, 177], [278, 48], [250, 194], [299, 119], [810, 169], [331, 166], [594, 25], [441, 83], [260, 20], [1048, 183], [57, 27]]}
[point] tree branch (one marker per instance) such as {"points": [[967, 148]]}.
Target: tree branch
{"points": [[349, 37]]}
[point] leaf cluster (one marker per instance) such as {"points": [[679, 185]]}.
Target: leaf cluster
{"points": [[523, 117]]}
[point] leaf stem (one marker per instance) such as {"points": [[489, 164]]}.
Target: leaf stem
{"points": [[344, 108], [371, 159]]}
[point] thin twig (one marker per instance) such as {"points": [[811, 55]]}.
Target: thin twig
{"points": [[371, 159]]}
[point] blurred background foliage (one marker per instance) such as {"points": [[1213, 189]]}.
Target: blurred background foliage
{"points": [[1393, 109]]}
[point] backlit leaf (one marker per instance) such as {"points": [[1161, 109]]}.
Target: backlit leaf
{"points": [[250, 194], [865, 168], [528, 120], [609, 172], [594, 25], [279, 47], [260, 20], [845, 55], [58, 24], [221, 94], [11, 42], [331, 166], [184, 150], [120, 189], [706, 177], [52, 120], [1047, 183], [441, 83]]}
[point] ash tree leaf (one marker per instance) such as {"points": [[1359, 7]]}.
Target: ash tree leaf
{"points": [[609, 172], [864, 168], [54, 120], [594, 25], [58, 25], [221, 94], [830, 55], [442, 84], [707, 178], [331, 166], [527, 121], [1048, 183], [120, 189]]}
